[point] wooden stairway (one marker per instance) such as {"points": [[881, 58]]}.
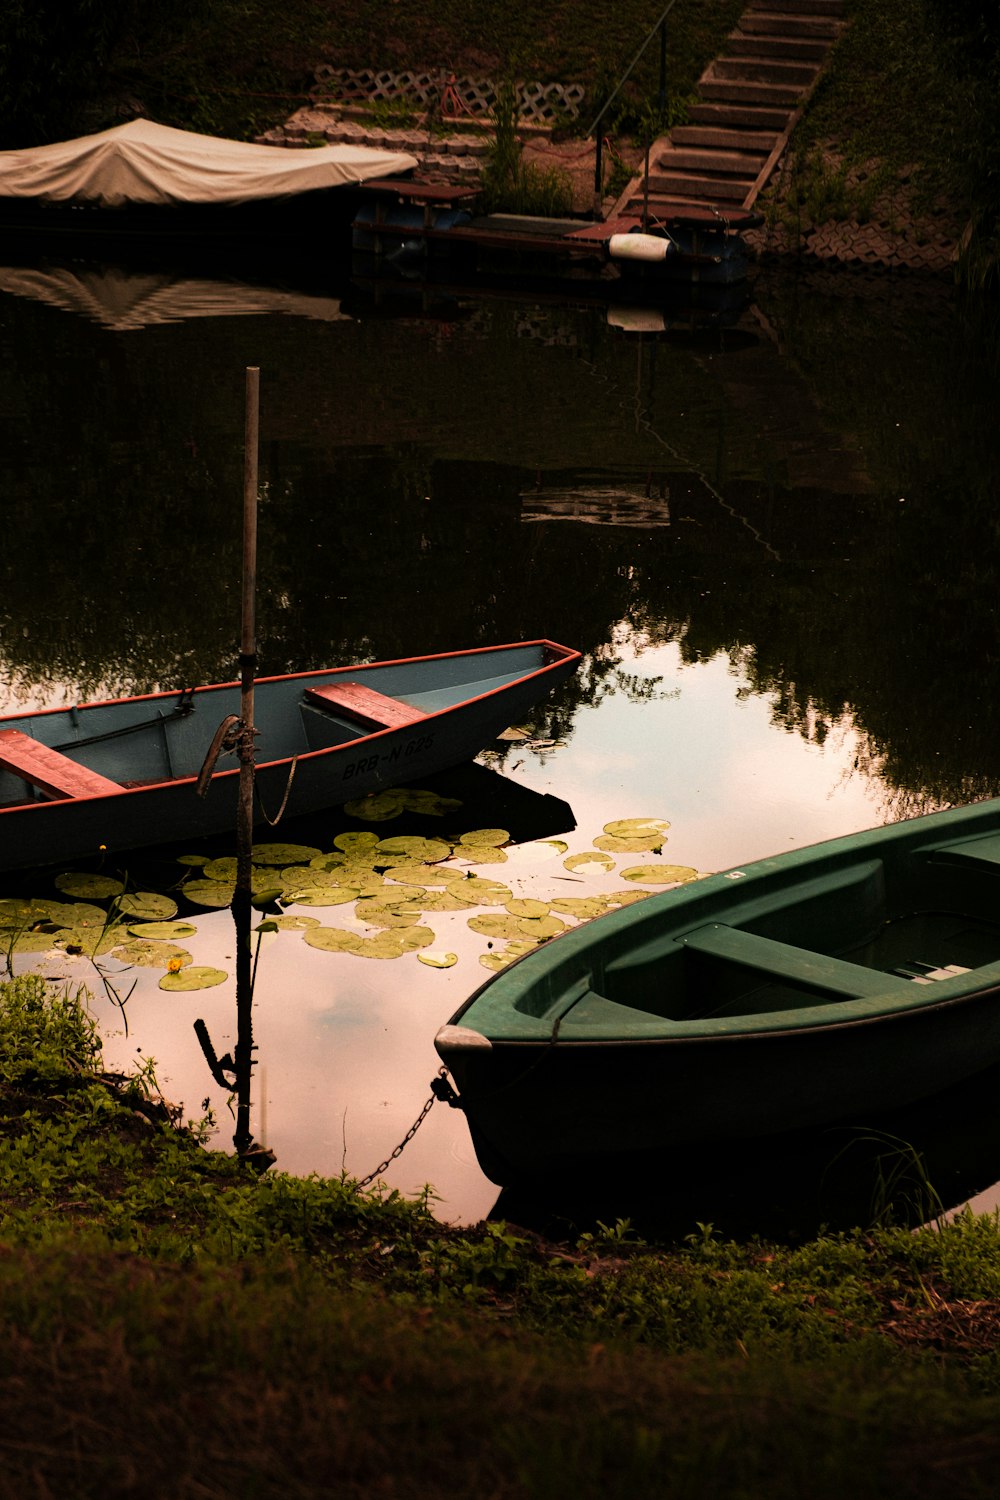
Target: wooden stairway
{"points": [[749, 100]]}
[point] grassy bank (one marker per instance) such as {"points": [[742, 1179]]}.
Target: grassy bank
{"points": [[903, 130], [175, 1324], [236, 67]]}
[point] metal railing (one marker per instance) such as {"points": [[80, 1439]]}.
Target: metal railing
{"points": [[660, 27]]}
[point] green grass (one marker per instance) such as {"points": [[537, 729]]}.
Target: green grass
{"points": [[171, 1322], [903, 125], [236, 67]]}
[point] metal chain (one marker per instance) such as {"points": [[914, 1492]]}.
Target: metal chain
{"points": [[440, 1089]]}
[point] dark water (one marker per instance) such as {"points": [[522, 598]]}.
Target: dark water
{"points": [[776, 543]]}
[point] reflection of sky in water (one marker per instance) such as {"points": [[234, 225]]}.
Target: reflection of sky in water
{"points": [[345, 1045]]}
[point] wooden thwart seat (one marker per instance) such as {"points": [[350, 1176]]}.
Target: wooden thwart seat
{"points": [[48, 769], [982, 852], [783, 961], [368, 707]]}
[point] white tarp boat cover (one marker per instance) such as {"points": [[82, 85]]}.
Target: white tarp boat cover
{"points": [[142, 162]]}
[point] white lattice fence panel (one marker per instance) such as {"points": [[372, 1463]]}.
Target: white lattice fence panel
{"points": [[540, 102]]}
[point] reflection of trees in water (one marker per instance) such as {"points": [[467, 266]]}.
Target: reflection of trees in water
{"points": [[378, 538]]}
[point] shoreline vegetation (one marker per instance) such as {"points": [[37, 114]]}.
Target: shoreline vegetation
{"points": [[175, 1323], [904, 125]]}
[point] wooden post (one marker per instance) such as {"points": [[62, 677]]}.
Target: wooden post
{"points": [[244, 826], [662, 93], [599, 177]]}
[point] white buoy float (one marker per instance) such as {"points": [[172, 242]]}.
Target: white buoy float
{"points": [[646, 247]]}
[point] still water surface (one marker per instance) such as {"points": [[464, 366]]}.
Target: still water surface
{"points": [[776, 545]]}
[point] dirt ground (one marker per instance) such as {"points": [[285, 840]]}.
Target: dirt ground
{"points": [[621, 160]]}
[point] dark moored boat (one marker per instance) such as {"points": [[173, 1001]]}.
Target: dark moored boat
{"points": [[817, 987], [124, 774], [413, 227]]}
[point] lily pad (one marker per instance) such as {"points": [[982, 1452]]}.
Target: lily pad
{"points": [[485, 892], [353, 841], [37, 942], [415, 873], [527, 907], [411, 939], [413, 847], [378, 914], [292, 922], [92, 942], [497, 925], [223, 868], [436, 958], [284, 854], [150, 955], [612, 844], [636, 828], [394, 944], [196, 977], [541, 928], [491, 838], [581, 907], [380, 807], [321, 895], [193, 859], [430, 804], [501, 957], [209, 892], [395, 892], [305, 878], [327, 862], [163, 932], [16, 913], [590, 863], [446, 900], [96, 887], [78, 914], [660, 874], [333, 939], [625, 898], [146, 906]]}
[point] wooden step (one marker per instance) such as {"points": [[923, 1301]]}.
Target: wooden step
{"points": [[764, 70], [734, 91], [785, 48], [374, 710], [712, 163], [767, 23], [50, 770], [737, 116], [694, 187], [826, 8], [724, 138]]}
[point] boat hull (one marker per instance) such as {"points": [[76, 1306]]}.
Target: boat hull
{"points": [[790, 994], [463, 701]]}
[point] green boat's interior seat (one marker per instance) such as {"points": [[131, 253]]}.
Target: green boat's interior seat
{"points": [[802, 967], [49, 770], [982, 852]]}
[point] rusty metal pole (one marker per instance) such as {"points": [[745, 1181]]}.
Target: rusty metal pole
{"points": [[243, 1054]]}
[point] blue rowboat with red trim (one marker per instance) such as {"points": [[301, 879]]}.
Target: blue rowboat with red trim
{"points": [[817, 987], [134, 772]]}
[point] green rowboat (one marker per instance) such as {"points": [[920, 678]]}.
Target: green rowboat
{"points": [[812, 988]]}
